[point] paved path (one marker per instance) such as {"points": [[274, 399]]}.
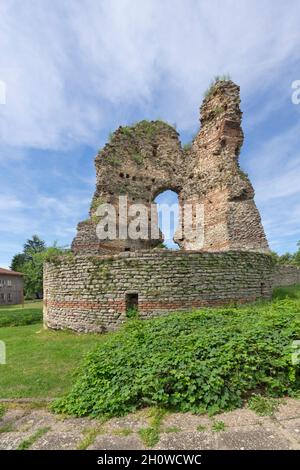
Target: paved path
{"points": [[27, 426]]}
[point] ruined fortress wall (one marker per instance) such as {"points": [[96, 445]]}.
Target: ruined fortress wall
{"points": [[91, 290], [145, 159], [286, 275], [89, 293]]}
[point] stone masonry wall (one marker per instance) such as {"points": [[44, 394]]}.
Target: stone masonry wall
{"points": [[89, 293], [285, 275]]}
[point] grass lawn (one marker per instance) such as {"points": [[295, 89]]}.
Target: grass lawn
{"points": [[40, 362], [16, 315], [33, 304]]}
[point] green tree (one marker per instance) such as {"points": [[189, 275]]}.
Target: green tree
{"points": [[33, 270], [286, 258], [33, 276], [297, 255], [17, 262], [33, 245], [31, 261], [275, 257]]}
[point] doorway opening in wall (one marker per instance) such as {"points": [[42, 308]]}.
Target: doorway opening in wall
{"points": [[262, 288], [132, 305], [168, 217]]}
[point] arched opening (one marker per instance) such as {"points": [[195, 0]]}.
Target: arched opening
{"points": [[168, 216]]}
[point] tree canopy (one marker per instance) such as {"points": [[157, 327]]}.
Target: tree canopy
{"points": [[30, 262], [287, 258]]}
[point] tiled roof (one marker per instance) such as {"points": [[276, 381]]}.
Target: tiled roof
{"points": [[10, 273]]}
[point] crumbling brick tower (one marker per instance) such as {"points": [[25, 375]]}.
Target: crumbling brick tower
{"points": [[143, 160], [226, 260]]}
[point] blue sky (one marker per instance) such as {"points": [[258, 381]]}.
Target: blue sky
{"points": [[75, 70]]}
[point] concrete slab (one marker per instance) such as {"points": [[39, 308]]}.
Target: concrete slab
{"points": [[133, 421], [293, 428], [112, 442], [252, 438], [11, 440], [58, 441], [34, 420], [243, 430], [241, 417], [290, 408], [187, 422], [187, 441]]}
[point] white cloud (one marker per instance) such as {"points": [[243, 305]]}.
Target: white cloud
{"points": [[75, 69], [71, 67], [40, 213], [10, 202]]}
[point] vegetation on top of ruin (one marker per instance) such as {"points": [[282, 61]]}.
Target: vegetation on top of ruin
{"points": [[217, 78], [137, 158], [135, 135], [142, 128], [187, 146], [146, 127], [203, 361]]}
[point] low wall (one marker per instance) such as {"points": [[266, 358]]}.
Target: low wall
{"points": [[92, 293], [286, 275]]}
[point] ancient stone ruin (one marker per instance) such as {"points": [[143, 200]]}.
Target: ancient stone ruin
{"points": [[144, 160], [226, 260]]}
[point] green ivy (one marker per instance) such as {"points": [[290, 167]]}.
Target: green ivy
{"points": [[204, 361]]}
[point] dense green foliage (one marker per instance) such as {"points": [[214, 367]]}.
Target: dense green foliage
{"points": [[200, 361], [30, 262], [287, 258], [21, 316]]}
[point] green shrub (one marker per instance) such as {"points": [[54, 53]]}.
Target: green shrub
{"points": [[201, 361], [20, 317], [263, 406], [218, 426], [149, 436]]}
